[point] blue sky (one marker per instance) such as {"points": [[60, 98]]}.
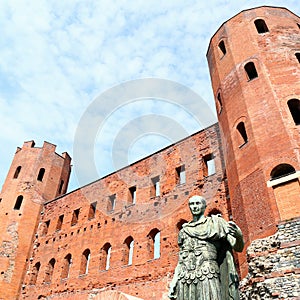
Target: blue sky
{"points": [[58, 56]]}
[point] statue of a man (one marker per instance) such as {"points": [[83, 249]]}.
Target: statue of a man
{"points": [[206, 267]]}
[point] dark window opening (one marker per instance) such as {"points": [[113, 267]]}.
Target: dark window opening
{"points": [[219, 103], [298, 25], [18, 202], [222, 47], [105, 254], [250, 70], [180, 175], [111, 202], [282, 170], [75, 216], [61, 187], [298, 56], [209, 165], [66, 266], [34, 273], [59, 222], [294, 107], [155, 188], [41, 174], [46, 227], [85, 260], [132, 195], [49, 271], [17, 172], [128, 251], [242, 134], [261, 26], [154, 244], [92, 210]]}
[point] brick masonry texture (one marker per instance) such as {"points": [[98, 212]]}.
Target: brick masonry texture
{"points": [[116, 238]]}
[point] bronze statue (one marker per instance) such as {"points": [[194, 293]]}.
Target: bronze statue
{"points": [[205, 268]]}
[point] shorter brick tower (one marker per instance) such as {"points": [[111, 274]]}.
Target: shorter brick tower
{"points": [[35, 176]]}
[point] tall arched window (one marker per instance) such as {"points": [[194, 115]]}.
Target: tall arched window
{"points": [[49, 270], [17, 172], [261, 26], [18, 202], [66, 266], [85, 260], [41, 174], [243, 138], [35, 273], [105, 254], [250, 70], [222, 48], [294, 107], [281, 171], [154, 244], [128, 250]]}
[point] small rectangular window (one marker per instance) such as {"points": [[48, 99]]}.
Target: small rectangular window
{"points": [[222, 48], [132, 195], [59, 222], [46, 227], [209, 165], [75, 216], [155, 189], [261, 26], [251, 70], [180, 175], [92, 210], [111, 202]]}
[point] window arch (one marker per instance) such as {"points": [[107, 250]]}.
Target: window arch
{"points": [[242, 133], [35, 273], [105, 255], [294, 107], [18, 202], [128, 250], [49, 270], [281, 171], [66, 266], [154, 244], [222, 48], [85, 260], [250, 70], [17, 172], [41, 174], [261, 26]]}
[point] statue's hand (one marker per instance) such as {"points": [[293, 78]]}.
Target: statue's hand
{"points": [[235, 237], [172, 292], [232, 229]]}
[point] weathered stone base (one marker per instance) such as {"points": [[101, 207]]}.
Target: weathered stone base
{"points": [[274, 265]]}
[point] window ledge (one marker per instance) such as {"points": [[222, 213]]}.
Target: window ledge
{"points": [[284, 179]]}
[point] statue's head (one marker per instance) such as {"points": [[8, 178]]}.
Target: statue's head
{"points": [[197, 205]]}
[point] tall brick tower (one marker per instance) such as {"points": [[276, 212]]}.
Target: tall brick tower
{"points": [[35, 176], [254, 61]]}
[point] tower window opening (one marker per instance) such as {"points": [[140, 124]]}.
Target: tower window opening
{"points": [[298, 56], [242, 133], [111, 202], [155, 189], [282, 170], [209, 165], [60, 187], [45, 227], [75, 216], [66, 266], [222, 48], [298, 25], [128, 251], [250, 70], [219, 103], [294, 107], [132, 195], [180, 175], [261, 26], [35, 273], [154, 244], [17, 172], [59, 222], [41, 174], [105, 255], [85, 260], [49, 271], [92, 210], [18, 202]]}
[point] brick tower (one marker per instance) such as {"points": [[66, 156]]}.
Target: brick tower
{"points": [[254, 66], [35, 176]]}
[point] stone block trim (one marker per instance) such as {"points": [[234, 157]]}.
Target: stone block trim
{"points": [[274, 265]]}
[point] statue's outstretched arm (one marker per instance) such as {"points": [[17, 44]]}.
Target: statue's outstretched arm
{"points": [[235, 237]]}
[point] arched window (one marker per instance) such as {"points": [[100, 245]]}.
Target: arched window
{"points": [[281, 171], [85, 260], [35, 273], [66, 266], [243, 138], [298, 56], [222, 48], [219, 103], [17, 172], [41, 174], [18, 202], [128, 250], [250, 70], [154, 244], [261, 26], [60, 187], [294, 107], [180, 223], [105, 254], [49, 270]]}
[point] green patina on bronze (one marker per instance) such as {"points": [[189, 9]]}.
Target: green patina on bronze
{"points": [[206, 267]]}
